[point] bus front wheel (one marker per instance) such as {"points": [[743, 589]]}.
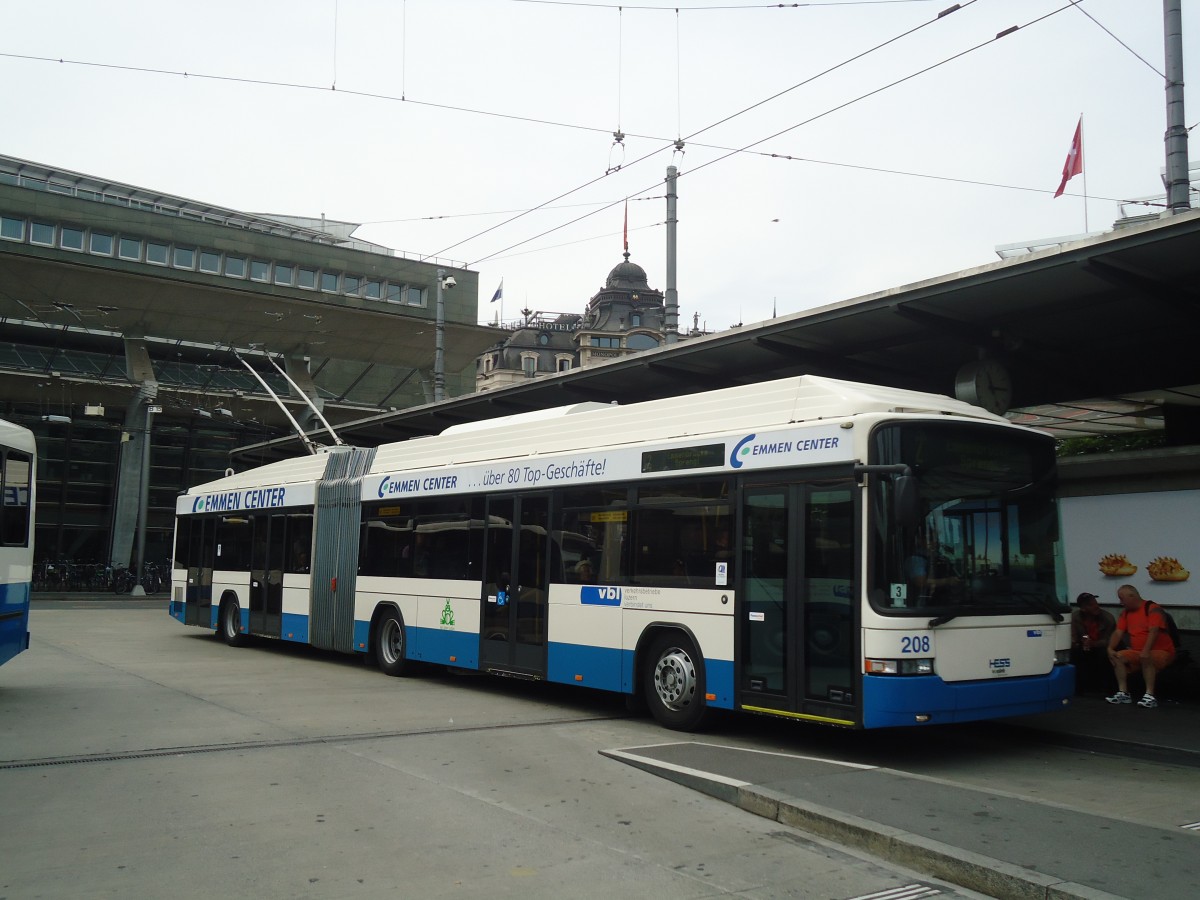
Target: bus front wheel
{"points": [[673, 682], [389, 644], [229, 625]]}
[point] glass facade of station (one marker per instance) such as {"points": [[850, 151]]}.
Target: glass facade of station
{"points": [[77, 474]]}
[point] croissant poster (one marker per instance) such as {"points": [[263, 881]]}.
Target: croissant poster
{"points": [[1151, 541]]}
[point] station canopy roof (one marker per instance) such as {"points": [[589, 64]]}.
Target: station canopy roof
{"points": [[1099, 336]]}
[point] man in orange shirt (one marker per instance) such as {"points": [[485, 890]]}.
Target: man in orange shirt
{"points": [[1150, 647]]}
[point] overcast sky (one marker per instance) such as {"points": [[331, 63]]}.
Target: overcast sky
{"points": [[451, 117]]}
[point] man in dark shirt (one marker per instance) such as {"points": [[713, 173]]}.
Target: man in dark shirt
{"points": [[1091, 628]]}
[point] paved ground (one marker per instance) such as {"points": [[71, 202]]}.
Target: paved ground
{"points": [[141, 758], [1000, 843]]}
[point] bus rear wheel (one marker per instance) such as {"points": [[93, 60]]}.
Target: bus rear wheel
{"points": [[673, 682], [229, 624], [390, 644]]}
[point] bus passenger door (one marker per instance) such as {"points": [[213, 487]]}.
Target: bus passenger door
{"points": [[798, 619], [276, 557], [202, 538], [258, 572], [266, 574], [515, 590]]}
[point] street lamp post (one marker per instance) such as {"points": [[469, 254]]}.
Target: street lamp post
{"points": [[144, 504], [439, 344]]}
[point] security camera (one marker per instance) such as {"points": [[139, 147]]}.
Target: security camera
{"points": [[449, 282]]}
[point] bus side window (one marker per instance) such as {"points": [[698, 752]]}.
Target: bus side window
{"points": [[16, 499], [299, 542]]}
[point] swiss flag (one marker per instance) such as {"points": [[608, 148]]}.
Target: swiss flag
{"points": [[1074, 164]]}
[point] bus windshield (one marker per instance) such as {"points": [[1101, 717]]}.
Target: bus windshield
{"points": [[984, 540]]}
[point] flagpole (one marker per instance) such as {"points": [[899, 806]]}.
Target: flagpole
{"points": [[1085, 168]]}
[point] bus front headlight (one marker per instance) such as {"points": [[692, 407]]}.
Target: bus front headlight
{"points": [[899, 667]]}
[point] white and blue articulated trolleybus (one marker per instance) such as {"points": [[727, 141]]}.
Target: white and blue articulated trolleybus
{"points": [[808, 548], [18, 483]]}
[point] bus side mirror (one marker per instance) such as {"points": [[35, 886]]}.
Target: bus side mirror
{"points": [[907, 501], [906, 493]]}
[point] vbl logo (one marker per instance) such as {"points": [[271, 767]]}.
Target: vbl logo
{"points": [[600, 596]]}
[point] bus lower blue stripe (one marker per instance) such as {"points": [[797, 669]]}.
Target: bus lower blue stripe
{"points": [[294, 628], [453, 648], [894, 700], [14, 620], [603, 668]]}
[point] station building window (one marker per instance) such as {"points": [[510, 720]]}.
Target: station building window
{"points": [[350, 284], [283, 274], [235, 267], [156, 254], [415, 296], [42, 233], [100, 243], [12, 229], [372, 290], [210, 261], [260, 270], [129, 248], [306, 278], [394, 293], [185, 258], [71, 238], [329, 282]]}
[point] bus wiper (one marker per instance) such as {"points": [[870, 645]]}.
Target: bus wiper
{"points": [[942, 620], [1049, 607]]}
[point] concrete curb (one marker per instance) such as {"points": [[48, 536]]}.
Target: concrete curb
{"points": [[974, 871], [1173, 756]]}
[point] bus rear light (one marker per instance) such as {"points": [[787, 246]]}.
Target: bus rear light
{"points": [[1062, 657], [898, 667]]}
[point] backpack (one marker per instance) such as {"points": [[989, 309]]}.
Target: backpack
{"points": [[1172, 628]]}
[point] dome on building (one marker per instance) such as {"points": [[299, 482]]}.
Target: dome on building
{"points": [[627, 276]]}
